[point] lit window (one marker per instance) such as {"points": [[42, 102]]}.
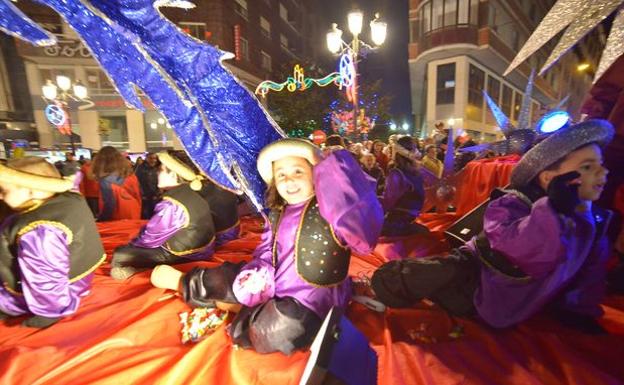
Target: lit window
{"points": [[197, 30], [241, 8], [476, 82], [244, 47], [493, 89], [283, 41], [265, 27], [266, 60], [283, 12]]}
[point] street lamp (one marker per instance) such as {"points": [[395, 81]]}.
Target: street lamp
{"points": [[59, 94], [336, 45]]}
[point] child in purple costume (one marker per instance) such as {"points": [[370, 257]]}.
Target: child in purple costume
{"points": [[320, 210], [543, 243]]}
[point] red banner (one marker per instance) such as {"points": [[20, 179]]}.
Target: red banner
{"points": [[237, 36]]}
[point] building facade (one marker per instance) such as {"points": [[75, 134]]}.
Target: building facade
{"points": [[458, 48], [261, 34]]}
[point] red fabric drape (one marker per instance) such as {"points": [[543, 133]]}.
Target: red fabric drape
{"points": [[128, 333]]}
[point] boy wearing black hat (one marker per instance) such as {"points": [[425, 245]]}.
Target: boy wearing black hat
{"points": [[543, 243]]}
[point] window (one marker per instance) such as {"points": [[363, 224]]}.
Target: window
{"points": [[506, 101], [283, 12], [266, 61], [241, 8], [445, 84], [244, 47], [463, 12], [283, 41], [517, 105], [97, 82], [493, 89], [476, 80], [436, 16], [426, 17], [450, 12], [197, 30], [265, 27]]}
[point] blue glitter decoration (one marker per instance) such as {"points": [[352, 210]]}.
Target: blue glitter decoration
{"points": [[501, 119], [221, 124], [15, 23]]}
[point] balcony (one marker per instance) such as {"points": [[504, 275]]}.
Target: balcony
{"points": [[456, 34]]}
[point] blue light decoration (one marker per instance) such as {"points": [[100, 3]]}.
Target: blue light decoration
{"points": [[221, 125], [55, 115], [553, 121]]}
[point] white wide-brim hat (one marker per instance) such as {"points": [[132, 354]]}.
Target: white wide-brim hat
{"points": [[557, 146], [26, 179], [284, 148]]}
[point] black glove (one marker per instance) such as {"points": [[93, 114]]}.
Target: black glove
{"points": [[40, 322], [562, 194]]}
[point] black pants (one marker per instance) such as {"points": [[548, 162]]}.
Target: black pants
{"points": [[401, 224], [448, 281], [143, 258], [278, 325]]}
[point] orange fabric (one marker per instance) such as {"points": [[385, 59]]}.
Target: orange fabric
{"points": [[127, 199], [128, 333], [89, 187]]}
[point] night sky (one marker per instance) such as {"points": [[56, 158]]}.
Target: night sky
{"points": [[390, 61]]}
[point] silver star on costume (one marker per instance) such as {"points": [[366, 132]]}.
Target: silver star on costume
{"points": [[581, 16], [615, 45], [525, 110]]}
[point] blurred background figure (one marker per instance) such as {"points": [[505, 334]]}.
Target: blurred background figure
{"points": [[147, 174], [120, 194]]}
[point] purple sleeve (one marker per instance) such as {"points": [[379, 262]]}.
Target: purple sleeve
{"points": [[168, 218], [395, 188], [262, 264], [348, 201], [529, 236], [43, 258]]}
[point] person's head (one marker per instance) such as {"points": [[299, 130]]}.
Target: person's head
{"points": [[334, 140], [405, 153], [574, 148], [139, 161], [109, 161], [378, 146], [587, 161], [368, 160], [69, 156], [431, 150], [30, 179], [286, 166], [175, 169], [151, 159], [439, 126]]}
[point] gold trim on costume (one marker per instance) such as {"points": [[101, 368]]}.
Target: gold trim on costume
{"points": [[32, 225], [11, 291], [187, 252], [274, 231], [90, 270]]}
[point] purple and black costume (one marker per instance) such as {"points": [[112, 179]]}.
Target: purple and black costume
{"points": [[181, 230], [529, 257], [47, 258], [303, 257], [402, 200]]}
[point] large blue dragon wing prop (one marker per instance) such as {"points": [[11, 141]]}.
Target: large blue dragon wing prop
{"points": [[221, 125], [233, 114]]}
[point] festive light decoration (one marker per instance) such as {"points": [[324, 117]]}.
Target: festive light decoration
{"points": [[580, 17], [553, 121], [298, 82], [348, 74], [222, 126]]}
